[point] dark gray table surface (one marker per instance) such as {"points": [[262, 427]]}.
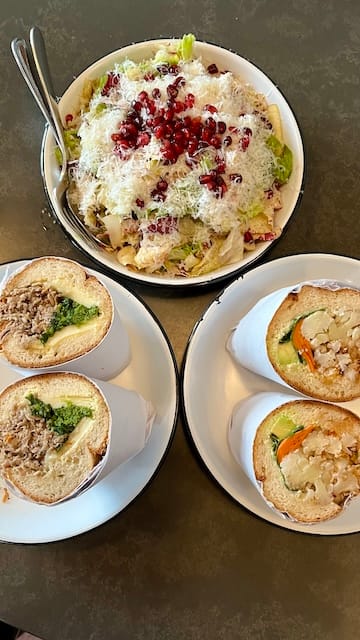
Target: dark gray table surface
{"points": [[184, 561]]}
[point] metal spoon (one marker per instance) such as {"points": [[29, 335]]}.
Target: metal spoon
{"points": [[41, 88]]}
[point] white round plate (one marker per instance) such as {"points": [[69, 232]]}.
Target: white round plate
{"points": [[225, 59], [152, 372], [212, 383]]}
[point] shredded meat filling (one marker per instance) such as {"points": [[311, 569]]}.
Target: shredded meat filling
{"points": [[27, 310], [25, 440]]}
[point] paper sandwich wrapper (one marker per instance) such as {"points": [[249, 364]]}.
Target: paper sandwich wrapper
{"points": [[103, 362], [247, 341], [131, 421], [244, 422]]}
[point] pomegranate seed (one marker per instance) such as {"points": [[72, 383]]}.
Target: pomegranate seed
{"points": [[159, 131], [245, 142], [210, 122], [168, 154], [196, 126], [192, 146], [163, 68], [136, 105], [269, 235], [150, 107], [212, 68], [221, 127], [166, 224], [69, 118], [158, 120], [227, 141], [143, 139], [162, 185], [150, 122], [143, 95], [172, 91], [187, 121], [186, 133], [178, 148], [111, 81], [248, 237], [168, 129], [158, 196], [206, 134], [179, 81], [221, 167], [211, 185], [233, 130], [205, 178], [211, 108], [169, 114], [190, 100], [179, 106], [128, 130], [179, 137], [125, 144], [148, 76], [215, 142], [174, 69], [140, 203], [247, 131], [116, 137], [156, 93], [236, 177]]}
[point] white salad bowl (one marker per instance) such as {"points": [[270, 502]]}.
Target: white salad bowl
{"points": [[225, 60]]}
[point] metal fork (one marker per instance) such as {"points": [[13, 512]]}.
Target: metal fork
{"points": [[42, 90]]}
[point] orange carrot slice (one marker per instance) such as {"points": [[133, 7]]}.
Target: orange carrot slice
{"points": [[302, 345], [292, 442]]}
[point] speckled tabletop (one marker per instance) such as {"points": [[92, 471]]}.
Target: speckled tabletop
{"points": [[184, 561]]}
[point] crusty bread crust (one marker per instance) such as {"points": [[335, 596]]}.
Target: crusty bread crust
{"points": [[335, 388], [267, 471], [71, 280], [63, 471]]}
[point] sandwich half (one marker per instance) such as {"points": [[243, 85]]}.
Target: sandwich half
{"points": [[54, 429], [306, 456], [52, 311], [313, 342]]}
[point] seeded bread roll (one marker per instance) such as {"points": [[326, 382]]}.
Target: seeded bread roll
{"points": [[313, 342], [306, 455], [46, 459], [31, 299]]}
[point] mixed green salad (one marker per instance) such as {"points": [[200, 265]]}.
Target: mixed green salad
{"points": [[177, 164]]}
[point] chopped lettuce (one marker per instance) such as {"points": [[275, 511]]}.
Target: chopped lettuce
{"points": [[180, 253], [283, 159], [165, 56], [185, 47]]}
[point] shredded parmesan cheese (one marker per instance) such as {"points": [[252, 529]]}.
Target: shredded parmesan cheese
{"points": [[204, 135]]}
